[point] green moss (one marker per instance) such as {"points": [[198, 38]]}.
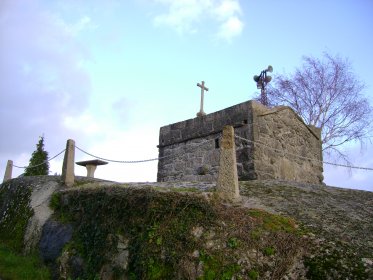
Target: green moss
{"points": [[335, 261], [14, 266], [80, 183], [176, 189], [253, 274], [269, 251], [233, 243], [272, 222], [193, 189], [157, 270], [157, 224], [55, 201], [14, 204], [160, 229], [55, 205], [214, 268]]}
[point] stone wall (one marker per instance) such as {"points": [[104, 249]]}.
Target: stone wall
{"points": [[286, 148], [191, 147]]}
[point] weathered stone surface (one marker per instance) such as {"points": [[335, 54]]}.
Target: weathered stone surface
{"points": [[120, 259], [8, 171], [280, 146], [289, 150], [227, 185], [68, 175], [336, 217], [71, 266], [40, 198], [337, 213], [54, 236], [195, 143]]}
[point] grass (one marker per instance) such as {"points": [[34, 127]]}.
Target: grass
{"points": [[14, 266]]}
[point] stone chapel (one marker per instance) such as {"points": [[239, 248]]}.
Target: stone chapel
{"points": [[279, 145]]}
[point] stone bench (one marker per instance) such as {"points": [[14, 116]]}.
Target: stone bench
{"points": [[91, 166]]}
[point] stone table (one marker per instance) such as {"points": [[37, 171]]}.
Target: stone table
{"points": [[91, 166]]}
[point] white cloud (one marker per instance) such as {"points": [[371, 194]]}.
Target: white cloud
{"points": [[182, 14], [185, 16], [85, 123], [227, 9], [230, 28], [83, 23]]}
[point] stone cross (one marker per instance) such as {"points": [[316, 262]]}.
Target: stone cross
{"points": [[203, 88]]}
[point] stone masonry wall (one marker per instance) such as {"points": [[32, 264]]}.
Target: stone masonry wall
{"points": [[282, 129], [193, 160], [192, 147]]}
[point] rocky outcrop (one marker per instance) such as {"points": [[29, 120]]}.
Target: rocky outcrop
{"points": [[107, 230], [39, 204]]}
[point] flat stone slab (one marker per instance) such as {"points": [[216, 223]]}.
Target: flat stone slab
{"points": [[92, 162], [91, 166]]}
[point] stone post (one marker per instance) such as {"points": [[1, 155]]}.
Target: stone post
{"points": [[8, 171], [227, 185], [68, 175]]}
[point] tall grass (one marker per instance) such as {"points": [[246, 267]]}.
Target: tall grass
{"points": [[14, 266]]}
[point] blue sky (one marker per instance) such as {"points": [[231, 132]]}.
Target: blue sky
{"points": [[108, 74]]}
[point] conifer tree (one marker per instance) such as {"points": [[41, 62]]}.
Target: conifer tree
{"points": [[38, 162]]}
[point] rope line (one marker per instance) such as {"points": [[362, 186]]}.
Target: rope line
{"points": [[24, 167], [200, 144], [302, 157], [137, 161], [117, 161]]}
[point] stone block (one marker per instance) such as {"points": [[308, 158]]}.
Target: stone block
{"points": [[68, 175], [53, 238], [227, 185], [8, 171]]}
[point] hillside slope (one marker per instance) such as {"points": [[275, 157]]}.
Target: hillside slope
{"points": [[335, 213], [107, 230]]}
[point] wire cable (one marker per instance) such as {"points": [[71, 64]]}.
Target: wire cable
{"points": [[302, 157], [24, 167], [136, 161]]}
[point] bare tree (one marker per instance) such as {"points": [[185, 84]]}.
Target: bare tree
{"points": [[326, 94]]}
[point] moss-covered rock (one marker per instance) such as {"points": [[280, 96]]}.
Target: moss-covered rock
{"points": [[15, 213], [180, 231], [173, 235]]}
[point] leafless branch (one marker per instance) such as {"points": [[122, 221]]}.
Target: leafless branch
{"points": [[326, 93]]}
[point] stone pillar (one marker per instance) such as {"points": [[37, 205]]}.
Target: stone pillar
{"points": [[91, 168], [8, 171], [227, 185], [68, 175]]}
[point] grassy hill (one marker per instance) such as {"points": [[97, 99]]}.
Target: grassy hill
{"points": [[107, 230]]}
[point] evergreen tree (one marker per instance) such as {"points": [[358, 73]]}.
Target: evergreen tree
{"points": [[38, 162]]}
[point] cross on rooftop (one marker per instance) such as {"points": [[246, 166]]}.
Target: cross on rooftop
{"points": [[203, 88]]}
